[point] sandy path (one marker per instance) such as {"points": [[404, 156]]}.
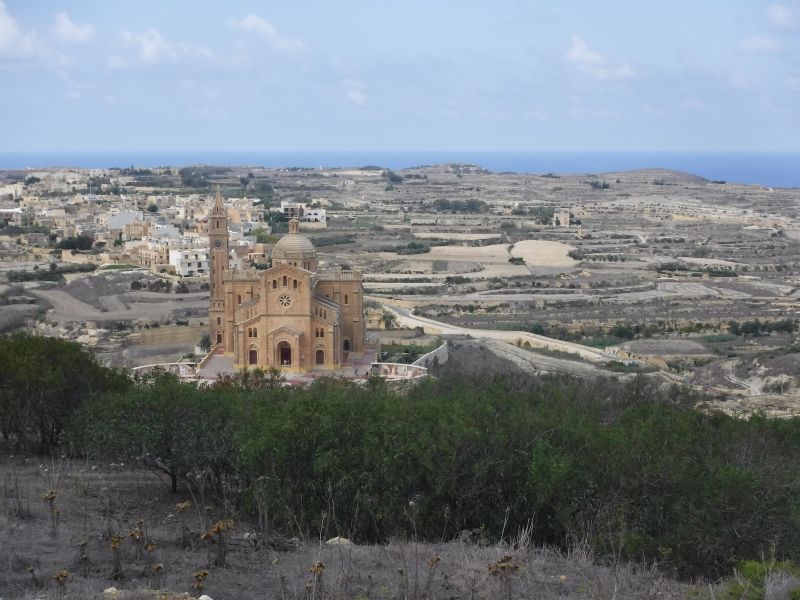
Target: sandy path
{"points": [[67, 308], [528, 360], [406, 319]]}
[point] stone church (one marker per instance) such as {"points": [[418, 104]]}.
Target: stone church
{"points": [[291, 315]]}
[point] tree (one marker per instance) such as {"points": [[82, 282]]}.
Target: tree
{"points": [[205, 342], [152, 208], [42, 382], [169, 426]]}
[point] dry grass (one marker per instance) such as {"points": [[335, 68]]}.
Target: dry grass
{"points": [[99, 505]]}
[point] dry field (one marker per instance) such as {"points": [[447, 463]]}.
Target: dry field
{"points": [[159, 547]]}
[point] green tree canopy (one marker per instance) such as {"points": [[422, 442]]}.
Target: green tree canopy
{"points": [[42, 381]]}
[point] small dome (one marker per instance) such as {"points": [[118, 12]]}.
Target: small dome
{"points": [[295, 244], [295, 247]]}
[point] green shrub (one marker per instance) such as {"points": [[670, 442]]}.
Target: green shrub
{"points": [[632, 468]]}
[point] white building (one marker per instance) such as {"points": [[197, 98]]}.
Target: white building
{"points": [[189, 263], [315, 215]]}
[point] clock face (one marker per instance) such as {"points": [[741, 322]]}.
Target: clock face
{"points": [[218, 244], [285, 300]]}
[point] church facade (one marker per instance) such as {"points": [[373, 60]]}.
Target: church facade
{"points": [[292, 315]]}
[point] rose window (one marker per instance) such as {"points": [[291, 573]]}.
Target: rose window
{"points": [[285, 300]]}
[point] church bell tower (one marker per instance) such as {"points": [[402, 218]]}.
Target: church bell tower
{"points": [[218, 241]]}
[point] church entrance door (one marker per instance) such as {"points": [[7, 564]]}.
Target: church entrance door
{"points": [[285, 354], [320, 357], [253, 356]]}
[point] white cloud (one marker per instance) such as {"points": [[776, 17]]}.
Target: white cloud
{"points": [[208, 113], [14, 42], [792, 83], [355, 91], [781, 16], [760, 43], [268, 32], [69, 32], [738, 81], [149, 47], [534, 115], [593, 63], [692, 103], [595, 113], [580, 53]]}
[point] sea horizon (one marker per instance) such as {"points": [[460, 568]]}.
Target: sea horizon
{"points": [[765, 168]]}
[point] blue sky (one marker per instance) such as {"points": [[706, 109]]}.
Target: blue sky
{"points": [[412, 75]]}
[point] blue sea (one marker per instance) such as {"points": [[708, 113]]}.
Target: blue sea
{"points": [[772, 169]]}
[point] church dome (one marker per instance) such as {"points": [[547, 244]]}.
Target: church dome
{"points": [[294, 246]]}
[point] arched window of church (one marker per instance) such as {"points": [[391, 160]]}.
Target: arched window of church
{"points": [[239, 298], [219, 320], [285, 281], [255, 332], [346, 300], [274, 284], [249, 332], [322, 332]]}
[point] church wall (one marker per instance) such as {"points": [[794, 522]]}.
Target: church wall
{"points": [[352, 312]]}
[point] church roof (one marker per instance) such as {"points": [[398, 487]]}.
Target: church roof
{"points": [[293, 244]]}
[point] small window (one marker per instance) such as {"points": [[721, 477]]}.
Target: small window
{"points": [[346, 300], [219, 320], [239, 298], [322, 332], [255, 332], [285, 281], [294, 284], [274, 284]]}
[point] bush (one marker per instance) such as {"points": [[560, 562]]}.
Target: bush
{"points": [[51, 274], [629, 467], [413, 248], [42, 382]]}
